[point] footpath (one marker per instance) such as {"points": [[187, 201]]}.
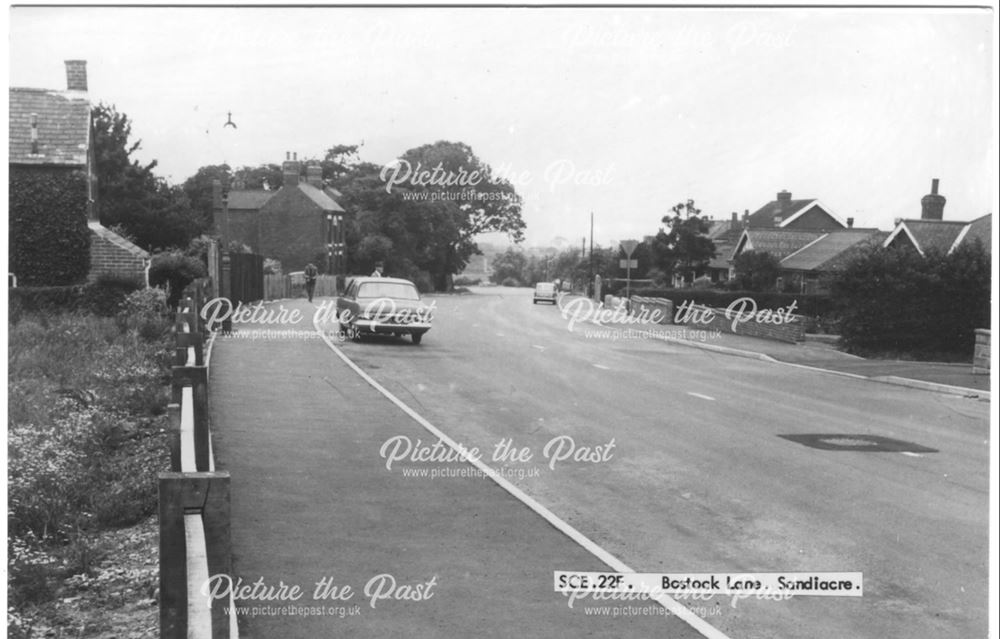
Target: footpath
{"points": [[375, 553], [939, 376]]}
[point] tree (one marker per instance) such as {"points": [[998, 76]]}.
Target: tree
{"points": [[462, 211], [432, 226], [128, 193], [198, 189], [683, 248], [756, 271], [510, 264]]}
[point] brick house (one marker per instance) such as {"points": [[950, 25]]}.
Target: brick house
{"points": [[809, 240], [290, 224], [932, 232], [50, 133]]}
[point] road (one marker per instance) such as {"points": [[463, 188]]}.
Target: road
{"points": [[695, 475], [700, 485]]}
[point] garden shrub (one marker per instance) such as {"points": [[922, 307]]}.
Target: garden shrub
{"points": [[896, 301]]}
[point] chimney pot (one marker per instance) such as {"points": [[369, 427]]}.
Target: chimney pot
{"points": [[932, 205], [290, 171], [76, 75], [314, 175]]}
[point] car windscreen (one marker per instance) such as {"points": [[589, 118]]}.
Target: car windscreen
{"points": [[393, 290]]}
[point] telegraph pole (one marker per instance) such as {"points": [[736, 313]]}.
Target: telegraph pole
{"points": [[591, 250]]}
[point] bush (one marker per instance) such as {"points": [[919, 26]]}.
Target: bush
{"points": [[511, 281], [467, 281], [102, 297], [894, 301], [176, 270], [49, 238], [814, 305], [146, 312]]}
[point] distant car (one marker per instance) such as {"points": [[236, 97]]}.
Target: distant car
{"points": [[383, 305], [545, 291]]}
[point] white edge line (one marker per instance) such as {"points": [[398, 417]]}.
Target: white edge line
{"points": [[601, 366], [711, 399], [671, 604]]}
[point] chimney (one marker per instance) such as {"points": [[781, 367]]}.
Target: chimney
{"points": [[784, 196], [314, 175], [932, 205], [736, 218], [76, 75], [746, 218], [850, 222], [290, 170]]}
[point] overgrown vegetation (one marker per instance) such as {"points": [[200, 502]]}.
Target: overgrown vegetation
{"points": [[86, 437], [49, 238]]}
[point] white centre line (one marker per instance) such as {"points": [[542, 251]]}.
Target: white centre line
{"points": [[711, 399], [602, 367]]}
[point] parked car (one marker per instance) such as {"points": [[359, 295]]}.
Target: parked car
{"points": [[545, 291], [383, 305]]}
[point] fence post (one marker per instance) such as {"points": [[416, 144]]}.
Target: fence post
{"points": [[197, 378], [206, 494], [174, 435], [218, 545], [185, 340], [173, 558]]}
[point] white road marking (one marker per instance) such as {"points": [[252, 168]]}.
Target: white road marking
{"points": [[603, 368], [711, 399], [675, 607], [909, 454], [541, 348]]}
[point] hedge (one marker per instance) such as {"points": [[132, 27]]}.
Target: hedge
{"points": [[103, 297], [49, 238], [809, 305]]}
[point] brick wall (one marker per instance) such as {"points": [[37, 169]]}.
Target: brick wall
{"points": [[794, 331], [111, 254], [981, 357]]}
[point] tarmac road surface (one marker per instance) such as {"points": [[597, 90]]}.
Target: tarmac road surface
{"points": [[671, 459]]}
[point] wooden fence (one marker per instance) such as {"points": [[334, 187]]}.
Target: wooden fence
{"points": [[194, 497]]}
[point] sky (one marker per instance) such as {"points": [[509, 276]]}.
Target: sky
{"points": [[619, 112]]}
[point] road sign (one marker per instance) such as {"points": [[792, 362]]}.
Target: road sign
{"points": [[628, 246], [628, 263]]}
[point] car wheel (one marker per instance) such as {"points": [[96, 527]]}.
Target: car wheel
{"points": [[417, 337]]}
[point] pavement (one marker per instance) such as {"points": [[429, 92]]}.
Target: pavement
{"points": [[936, 376]]}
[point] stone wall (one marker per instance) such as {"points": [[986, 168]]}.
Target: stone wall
{"points": [[981, 357]]}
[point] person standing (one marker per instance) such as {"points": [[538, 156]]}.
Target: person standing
{"points": [[379, 266], [311, 272]]}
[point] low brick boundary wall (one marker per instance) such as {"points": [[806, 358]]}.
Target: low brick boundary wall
{"points": [[647, 305], [981, 356], [793, 331]]}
